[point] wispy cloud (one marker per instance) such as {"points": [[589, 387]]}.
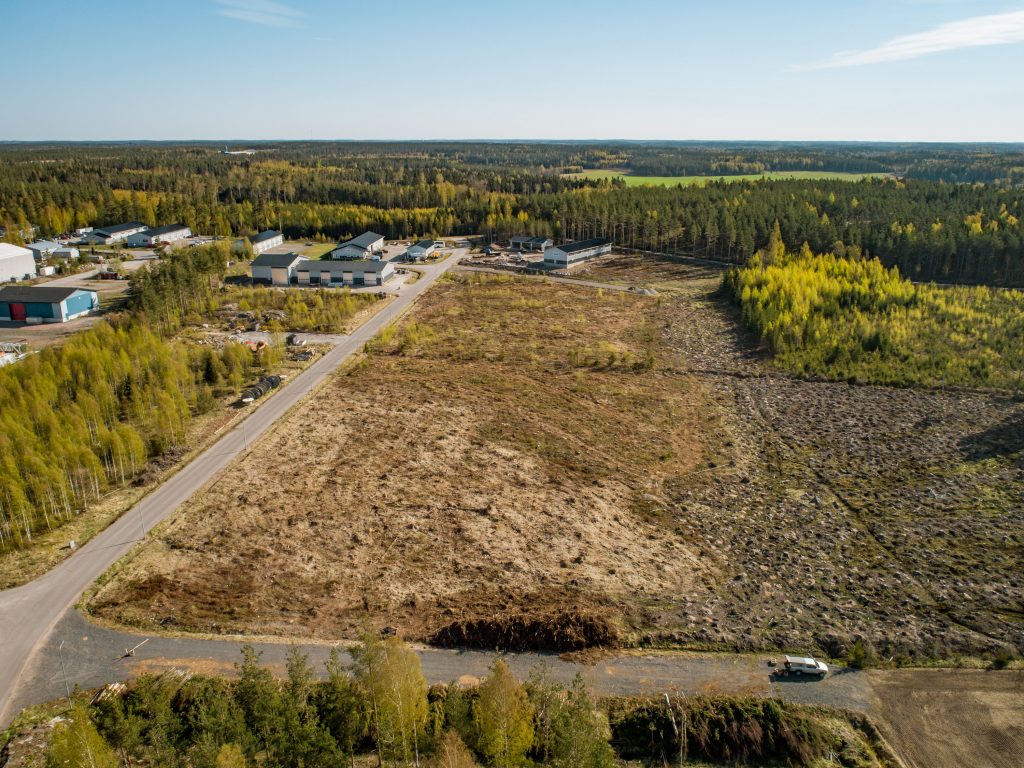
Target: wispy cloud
{"points": [[265, 12], [996, 29]]}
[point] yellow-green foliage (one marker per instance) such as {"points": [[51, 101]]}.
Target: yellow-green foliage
{"points": [[307, 309], [77, 744], [828, 316]]}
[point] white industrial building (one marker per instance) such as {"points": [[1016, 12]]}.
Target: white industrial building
{"points": [[275, 268], [266, 240], [528, 243], [43, 248], [353, 274], [366, 246], [114, 234], [172, 233], [285, 269], [421, 251], [16, 263], [563, 256]]}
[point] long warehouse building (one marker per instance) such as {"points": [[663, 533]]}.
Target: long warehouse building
{"points": [[563, 256]]}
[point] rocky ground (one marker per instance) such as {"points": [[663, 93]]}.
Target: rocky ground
{"points": [[896, 515]]}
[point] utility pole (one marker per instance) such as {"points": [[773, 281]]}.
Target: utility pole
{"points": [[64, 673]]}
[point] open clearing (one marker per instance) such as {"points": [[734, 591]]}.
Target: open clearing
{"points": [[504, 452], [501, 454], [671, 181], [952, 718]]}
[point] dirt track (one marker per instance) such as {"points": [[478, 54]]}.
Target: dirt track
{"points": [[952, 718]]}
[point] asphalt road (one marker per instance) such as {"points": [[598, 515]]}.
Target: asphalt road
{"points": [[93, 656], [29, 613]]}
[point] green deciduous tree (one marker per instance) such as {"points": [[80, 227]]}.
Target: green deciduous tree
{"points": [[503, 716], [396, 691], [77, 744]]}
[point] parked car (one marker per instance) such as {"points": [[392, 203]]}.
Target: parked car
{"points": [[804, 665]]}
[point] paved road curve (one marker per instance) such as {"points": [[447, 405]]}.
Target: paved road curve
{"points": [[29, 613], [93, 656]]}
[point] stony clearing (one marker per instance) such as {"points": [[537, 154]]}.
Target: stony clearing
{"points": [[893, 515], [495, 455]]}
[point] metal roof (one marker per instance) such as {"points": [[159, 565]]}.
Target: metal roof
{"points": [[425, 244], [276, 259], [583, 245], [43, 245], [269, 234], [116, 228], [326, 265], [363, 242], [8, 251], [165, 230], [40, 294]]}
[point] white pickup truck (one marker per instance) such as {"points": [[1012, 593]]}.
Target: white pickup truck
{"points": [[804, 665]]}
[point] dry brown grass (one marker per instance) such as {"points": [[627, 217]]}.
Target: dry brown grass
{"points": [[504, 451]]}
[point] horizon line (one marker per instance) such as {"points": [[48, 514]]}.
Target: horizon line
{"points": [[223, 140]]}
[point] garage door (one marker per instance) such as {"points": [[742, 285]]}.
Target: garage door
{"points": [[18, 312]]}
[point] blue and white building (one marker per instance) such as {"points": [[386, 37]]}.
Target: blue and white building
{"points": [[35, 304]]}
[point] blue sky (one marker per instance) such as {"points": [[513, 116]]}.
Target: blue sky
{"points": [[907, 70]]}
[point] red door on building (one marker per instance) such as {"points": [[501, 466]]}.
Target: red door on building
{"points": [[18, 312]]}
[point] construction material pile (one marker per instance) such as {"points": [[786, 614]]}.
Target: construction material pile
{"points": [[259, 389]]}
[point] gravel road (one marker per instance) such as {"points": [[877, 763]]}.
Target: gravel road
{"points": [[94, 655]]}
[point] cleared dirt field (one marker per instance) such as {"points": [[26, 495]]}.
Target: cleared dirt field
{"points": [[507, 452], [952, 718], [504, 454]]}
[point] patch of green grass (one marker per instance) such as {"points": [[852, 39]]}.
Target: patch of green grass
{"points": [[687, 181], [315, 251]]}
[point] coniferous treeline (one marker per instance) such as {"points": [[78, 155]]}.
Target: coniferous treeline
{"points": [[945, 232], [382, 705]]}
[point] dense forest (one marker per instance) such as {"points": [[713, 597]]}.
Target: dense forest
{"points": [[80, 418], [929, 222], [381, 710], [827, 315]]}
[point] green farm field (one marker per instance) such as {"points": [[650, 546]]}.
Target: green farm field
{"points": [[671, 181]]}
